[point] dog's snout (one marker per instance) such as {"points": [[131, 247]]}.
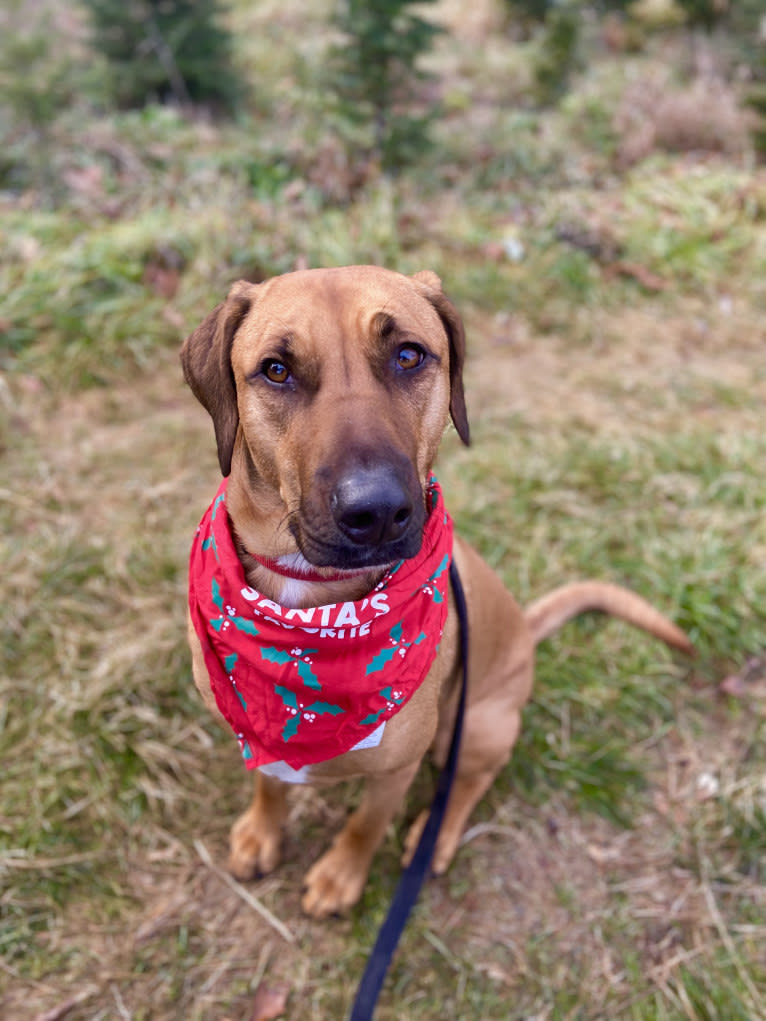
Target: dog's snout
{"points": [[371, 506]]}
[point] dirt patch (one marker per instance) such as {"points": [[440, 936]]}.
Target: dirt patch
{"points": [[642, 371]]}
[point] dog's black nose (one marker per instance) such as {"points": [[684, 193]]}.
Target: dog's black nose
{"points": [[371, 506]]}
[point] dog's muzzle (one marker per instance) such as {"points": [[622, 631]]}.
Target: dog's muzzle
{"points": [[373, 515]]}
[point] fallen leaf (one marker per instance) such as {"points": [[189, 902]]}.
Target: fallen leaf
{"points": [[733, 685], [161, 279], [644, 276], [270, 1002], [85, 180], [602, 854], [747, 681]]}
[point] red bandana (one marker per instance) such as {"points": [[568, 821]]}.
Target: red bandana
{"points": [[302, 686]]}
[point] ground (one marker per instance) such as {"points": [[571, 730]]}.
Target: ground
{"points": [[616, 383]]}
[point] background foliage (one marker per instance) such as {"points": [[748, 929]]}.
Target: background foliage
{"points": [[162, 50], [605, 240]]}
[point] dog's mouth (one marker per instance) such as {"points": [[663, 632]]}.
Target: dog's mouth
{"points": [[368, 515], [342, 554], [361, 525]]}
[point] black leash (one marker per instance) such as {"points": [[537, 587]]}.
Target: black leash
{"points": [[414, 875]]}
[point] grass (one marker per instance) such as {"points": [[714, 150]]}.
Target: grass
{"points": [[616, 385]]}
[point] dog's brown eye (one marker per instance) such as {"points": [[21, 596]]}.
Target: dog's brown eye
{"points": [[409, 357], [275, 371]]}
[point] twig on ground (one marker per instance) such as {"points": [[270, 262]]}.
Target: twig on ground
{"points": [[244, 894]]}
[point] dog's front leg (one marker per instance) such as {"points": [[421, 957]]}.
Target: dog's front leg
{"points": [[256, 837], [336, 881]]}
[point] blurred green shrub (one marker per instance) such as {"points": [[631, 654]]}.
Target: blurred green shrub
{"points": [[374, 75], [557, 58], [557, 28], [746, 19], [84, 306], [537, 11], [36, 84], [704, 13], [757, 102], [166, 50]]}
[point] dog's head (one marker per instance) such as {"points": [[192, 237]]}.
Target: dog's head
{"points": [[330, 389]]}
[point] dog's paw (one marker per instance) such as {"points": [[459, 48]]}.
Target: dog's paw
{"points": [[334, 883], [255, 846]]}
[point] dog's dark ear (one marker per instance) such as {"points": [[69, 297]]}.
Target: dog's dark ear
{"points": [[206, 361], [430, 286]]}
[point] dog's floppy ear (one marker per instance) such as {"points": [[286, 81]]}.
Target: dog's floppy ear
{"points": [[430, 287], [206, 361]]}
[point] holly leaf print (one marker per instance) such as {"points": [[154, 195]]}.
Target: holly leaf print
{"points": [[274, 655], [387, 654], [230, 662], [290, 729], [323, 708], [216, 595], [308, 676], [243, 624], [379, 661], [441, 568], [373, 717], [288, 697], [290, 701], [218, 500], [388, 694]]}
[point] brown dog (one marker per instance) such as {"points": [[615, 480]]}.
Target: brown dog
{"points": [[329, 391]]}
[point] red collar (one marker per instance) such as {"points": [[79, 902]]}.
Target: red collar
{"points": [[298, 573]]}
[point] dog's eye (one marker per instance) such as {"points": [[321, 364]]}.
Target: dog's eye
{"points": [[275, 371], [409, 357]]}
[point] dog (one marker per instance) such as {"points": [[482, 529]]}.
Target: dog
{"points": [[329, 391]]}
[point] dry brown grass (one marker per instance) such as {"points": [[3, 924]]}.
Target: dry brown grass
{"points": [[577, 903], [658, 114]]}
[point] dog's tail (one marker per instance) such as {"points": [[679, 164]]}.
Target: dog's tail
{"points": [[550, 612]]}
